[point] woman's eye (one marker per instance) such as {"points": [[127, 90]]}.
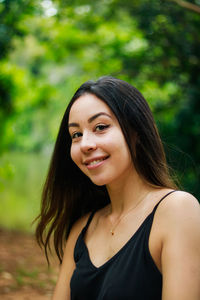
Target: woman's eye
{"points": [[76, 135], [101, 127]]}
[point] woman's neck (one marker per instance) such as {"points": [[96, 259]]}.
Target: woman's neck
{"points": [[126, 194]]}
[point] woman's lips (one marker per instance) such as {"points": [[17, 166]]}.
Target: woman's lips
{"points": [[94, 163]]}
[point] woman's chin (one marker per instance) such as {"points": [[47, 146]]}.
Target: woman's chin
{"points": [[99, 181]]}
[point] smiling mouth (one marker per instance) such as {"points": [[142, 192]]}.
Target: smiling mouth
{"points": [[95, 162]]}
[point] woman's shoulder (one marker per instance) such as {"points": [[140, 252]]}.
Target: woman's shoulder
{"points": [[90, 217], [80, 224], [179, 228], [179, 202], [179, 211]]}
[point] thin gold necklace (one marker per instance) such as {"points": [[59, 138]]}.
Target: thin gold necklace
{"points": [[112, 230]]}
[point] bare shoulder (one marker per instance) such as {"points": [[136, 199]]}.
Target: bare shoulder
{"points": [[185, 197], [179, 225], [77, 228], [179, 214], [73, 236], [179, 205]]}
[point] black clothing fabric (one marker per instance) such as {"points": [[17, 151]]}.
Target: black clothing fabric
{"points": [[130, 274]]}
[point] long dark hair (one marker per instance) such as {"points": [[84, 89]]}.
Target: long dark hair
{"points": [[68, 194]]}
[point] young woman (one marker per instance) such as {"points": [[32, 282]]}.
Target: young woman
{"points": [[110, 202]]}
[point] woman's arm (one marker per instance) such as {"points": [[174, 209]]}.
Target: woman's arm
{"points": [[180, 258], [62, 289]]}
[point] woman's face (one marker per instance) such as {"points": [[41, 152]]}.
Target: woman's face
{"points": [[98, 145]]}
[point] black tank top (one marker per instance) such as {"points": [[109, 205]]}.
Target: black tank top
{"points": [[130, 274]]}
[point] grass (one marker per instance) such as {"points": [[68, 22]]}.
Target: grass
{"points": [[21, 179], [23, 276]]}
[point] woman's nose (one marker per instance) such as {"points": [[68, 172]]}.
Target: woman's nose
{"points": [[88, 142]]}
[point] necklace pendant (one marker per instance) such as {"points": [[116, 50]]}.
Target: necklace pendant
{"points": [[112, 232]]}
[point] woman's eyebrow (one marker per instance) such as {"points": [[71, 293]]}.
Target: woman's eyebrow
{"points": [[73, 125], [90, 120], [97, 115]]}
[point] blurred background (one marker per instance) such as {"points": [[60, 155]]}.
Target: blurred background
{"points": [[48, 48]]}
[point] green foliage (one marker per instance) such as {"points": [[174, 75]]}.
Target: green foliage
{"points": [[48, 48], [12, 14], [22, 177]]}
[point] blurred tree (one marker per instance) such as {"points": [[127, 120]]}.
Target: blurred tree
{"points": [[188, 5], [163, 58], [50, 47], [12, 15]]}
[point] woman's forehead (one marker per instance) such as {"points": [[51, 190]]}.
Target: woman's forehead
{"points": [[88, 105]]}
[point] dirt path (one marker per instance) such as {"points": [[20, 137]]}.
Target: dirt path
{"points": [[24, 274]]}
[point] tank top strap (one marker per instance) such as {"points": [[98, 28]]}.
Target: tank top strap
{"points": [[88, 221], [156, 206]]}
